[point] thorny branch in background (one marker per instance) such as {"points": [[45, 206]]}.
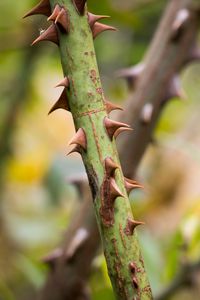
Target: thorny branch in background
{"points": [[168, 54]]}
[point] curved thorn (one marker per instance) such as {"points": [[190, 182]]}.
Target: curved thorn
{"points": [[110, 106], [80, 6], [61, 103], [120, 130], [79, 139], [92, 19], [76, 149], [131, 74], [55, 13], [64, 82], [42, 8], [48, 35], [98, 28], [62, 19], [131, 225], [110, 166], [111, 126], [131, 185], [114, 190]]}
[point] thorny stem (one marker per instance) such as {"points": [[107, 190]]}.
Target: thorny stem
{"points": [[179, 53], [95, 141]]}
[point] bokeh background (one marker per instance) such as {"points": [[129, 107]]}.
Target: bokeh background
{"points": [[37, 201]]}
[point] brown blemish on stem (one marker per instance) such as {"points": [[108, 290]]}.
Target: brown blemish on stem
{"points": [[96, 138], [122, 235]]}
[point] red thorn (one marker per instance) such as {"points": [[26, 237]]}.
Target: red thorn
{"points": [[120, 130], [42, 8], [65, 82], [131, 185], [111, 126], [110, 166], [92, 19], [48, 35], [98, 28], [61, 103], [114, 189], [79, 139], [63, 20], [131, 225], [110, 107], [80, 6], [55, 13]]}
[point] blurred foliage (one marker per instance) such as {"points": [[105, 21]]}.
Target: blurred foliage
{"points": [[36, 201]]}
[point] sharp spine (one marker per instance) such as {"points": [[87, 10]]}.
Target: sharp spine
{"points": [[65, 82], [79, 139], [63, 20], [114, 190], [112, 126], [48, 35], [110, 166], [61, 103], [131, 185], [43, 8], [120, 130], [132, 74], [99, 28], [55, 13], [92, 19], [110, 106], [131, 225]]}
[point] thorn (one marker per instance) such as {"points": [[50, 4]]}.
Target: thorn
{"points": [[111, 126], [48, 35], [64, 82], [63, 20], [42, 8], [98, 28], [51, 258], [114, 189], [181, 18], [54, 14], [120, 130], [175, 89], [131, 225], [147, 113], [76, 149], [61, 103], [92, 19], [79, 139], [80, 6], [131, 185], [131, 74], [110, 106], [110, 166]]}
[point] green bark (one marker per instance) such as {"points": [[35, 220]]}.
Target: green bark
{"points": [[87, 104]]}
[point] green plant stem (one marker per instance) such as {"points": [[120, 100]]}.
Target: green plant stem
{"points": [[86, 102]]}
